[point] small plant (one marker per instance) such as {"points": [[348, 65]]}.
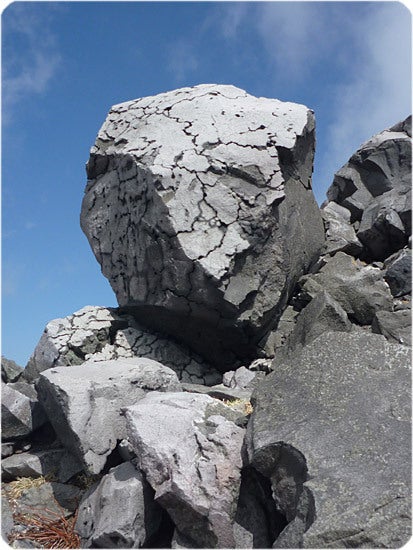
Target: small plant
{"points": [[16, 488], [50, 530]]}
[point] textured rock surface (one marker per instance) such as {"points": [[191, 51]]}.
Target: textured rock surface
{"points": [[199, 209], [340, 234], [102, 334], [10, 371], [83, 403], [396, 326], [21, 412], [190, 450], [50, 499], [358, 288], [340, 462], [119, 511], [375, 186], [399, 272]]}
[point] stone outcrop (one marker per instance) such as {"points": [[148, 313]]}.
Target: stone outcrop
{"points": [[199, 209], [340, 455], [21, 413], [84, 402]]}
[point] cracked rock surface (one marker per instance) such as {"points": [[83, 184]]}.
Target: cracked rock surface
{"points": [[345, 449], [199, 209], [101, 334]]}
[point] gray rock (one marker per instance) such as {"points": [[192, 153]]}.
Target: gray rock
{"points": [[358, 288], [101, 334], [83, 403], [21, 411], [396, 326], [221, 392], [119, 511], [240, 378], [190, 451], [56, 462], [10, 371], [340, 234], [49, 499], [199, 209], [7, 523], [399, 272], [339, 462], [7, 449]]}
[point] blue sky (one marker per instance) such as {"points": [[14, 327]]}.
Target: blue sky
{"points": [[65, 63]]}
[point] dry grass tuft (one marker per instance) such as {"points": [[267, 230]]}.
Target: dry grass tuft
{"points": [[51, 530], [243, 405], [16, 488]]}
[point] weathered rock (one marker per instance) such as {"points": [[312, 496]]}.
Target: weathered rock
{"points": [[375, 186], [48, 462], [340, 234], [339, 462], [7, 523], [200, 211], [84, 402], [399, 272], [359, 289], [7, 449], [10, 371], [102, 334], [49, 500], [240, 378], [396, 326], [21, 411], [119, 511], [190, 450]]}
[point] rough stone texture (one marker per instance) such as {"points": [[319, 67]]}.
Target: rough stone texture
{"points": [[10, 371], [83, 403], [199, 209], [57, 462], [119, 511], [358, 288], [375, 186], [340, 461], [49, 499], [340, 235], [7, 523], [399, 272], [396, 326], [240, 378], [190, 450], [21, 413], [101, 334]]}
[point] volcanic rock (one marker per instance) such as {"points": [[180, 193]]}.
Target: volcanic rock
{"points": [[399, 272], [84, 402], [199, 209], [10, 371], [21, 411]]}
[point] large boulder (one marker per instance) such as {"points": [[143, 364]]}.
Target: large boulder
{"points": [[118, 511], [331, 430], [375, 186], [199, 209], [190, 450], [96, 333], [84, 402], [21, 412]]}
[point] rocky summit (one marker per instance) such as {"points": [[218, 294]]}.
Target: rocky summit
{"points": [[253, 388]]}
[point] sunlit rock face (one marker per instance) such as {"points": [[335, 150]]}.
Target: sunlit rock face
{"points": [[199, 209]]}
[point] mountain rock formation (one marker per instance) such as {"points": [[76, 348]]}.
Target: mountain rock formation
{"points": [[252, 389]]}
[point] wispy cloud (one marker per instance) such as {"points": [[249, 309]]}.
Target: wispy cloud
{"points": [[182, 60], [30, 55]]}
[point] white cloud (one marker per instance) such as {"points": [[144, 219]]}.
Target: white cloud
{"points": [[30, 58], [182, 60]]}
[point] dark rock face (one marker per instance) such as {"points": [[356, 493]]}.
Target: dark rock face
{"points": [[335, 451], [10, 371], [200, 211]]}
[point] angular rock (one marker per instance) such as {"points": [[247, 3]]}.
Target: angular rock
{"points": [[50, 499], [340, 234], [358, 288], [10, 371], [199, 209], [190, 450], [396, 326], [240, 378], [84, 402], [21, 411], [340, 462], [48, 462], [103, 334], [119, 511], [7, 523], [399, 272]]}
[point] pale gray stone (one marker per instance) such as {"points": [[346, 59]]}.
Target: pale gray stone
{"points": [[339, 461], [45, 462], [118, 511], [97, 333], [340, 234], [10, 371], [240, 378], [7, 523], [21, 411], [396, 326], [50, 499], [199, 209], [84, 403], [190, 451]]}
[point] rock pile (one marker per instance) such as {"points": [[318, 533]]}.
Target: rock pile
{"points": [[252, 389]]}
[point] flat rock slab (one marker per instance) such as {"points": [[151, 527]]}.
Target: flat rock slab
{"points": [[333, 426], [190, 450], [119, 511], [83, 402], [199, 208]]}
